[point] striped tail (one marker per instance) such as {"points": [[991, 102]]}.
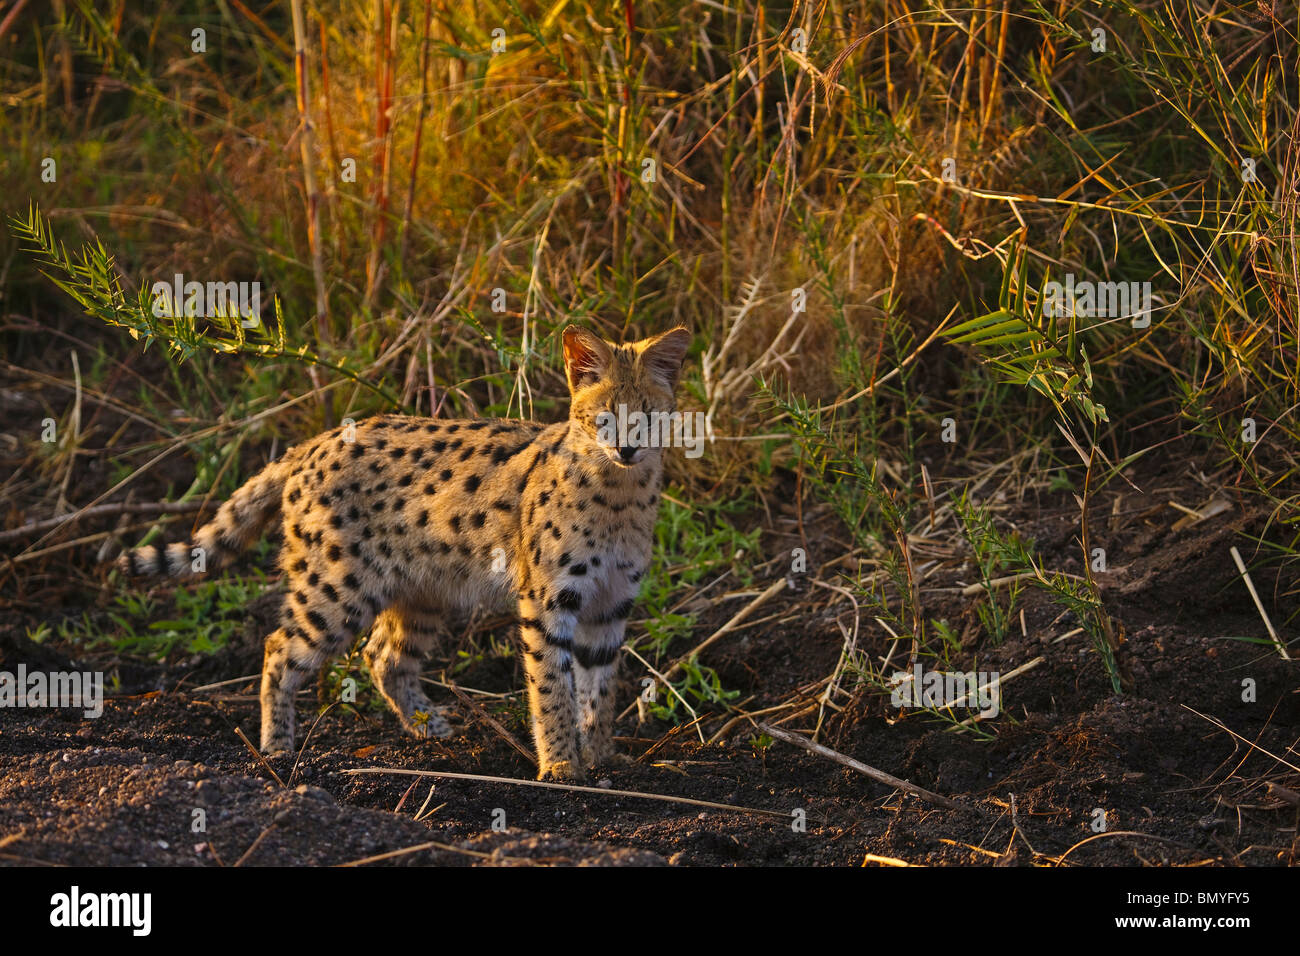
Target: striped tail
{"points": [[239, 522]]}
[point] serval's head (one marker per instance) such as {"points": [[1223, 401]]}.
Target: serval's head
{"points": [[623, 394]]}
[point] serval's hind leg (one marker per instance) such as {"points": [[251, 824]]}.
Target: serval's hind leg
{"points": [[398, 643], [294, 653]]}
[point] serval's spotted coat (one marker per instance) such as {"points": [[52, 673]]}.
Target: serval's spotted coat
{"points": [[393, 522]]}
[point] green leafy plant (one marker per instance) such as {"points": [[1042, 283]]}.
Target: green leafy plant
{"points": [[990, 551], [89, 277], [1045, 353], [202, 619], [1033, 350], [702, 687]]}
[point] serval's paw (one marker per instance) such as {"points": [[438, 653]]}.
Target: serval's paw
{"points": [[562, 771], [617, 761], [277, 746], [427, 724], [607, 756]]}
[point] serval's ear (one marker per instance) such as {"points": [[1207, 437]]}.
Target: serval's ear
{"points": [[662, 355], [586, 357]]}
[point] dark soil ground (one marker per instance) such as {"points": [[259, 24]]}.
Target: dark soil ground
{"points": [[1174, 787]]}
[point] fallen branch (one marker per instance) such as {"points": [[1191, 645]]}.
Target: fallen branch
{"points": [[879, 776]]}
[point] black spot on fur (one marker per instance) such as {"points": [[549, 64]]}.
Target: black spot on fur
{"points": [[502, 455], [595, 656], [568, 600]]}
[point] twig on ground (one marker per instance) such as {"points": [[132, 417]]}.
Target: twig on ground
{"points": [[1249, 743], [879, 776], [777, 585], [1117, 833], [575, 788], [255, 844], [100, 511], [1259, 605], [260, 759], [479, 711]]}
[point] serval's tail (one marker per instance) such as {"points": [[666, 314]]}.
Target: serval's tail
{"points": [[239, 522]]}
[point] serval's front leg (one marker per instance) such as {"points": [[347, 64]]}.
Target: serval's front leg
{"points": [[597, 649], [547, 639]]}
